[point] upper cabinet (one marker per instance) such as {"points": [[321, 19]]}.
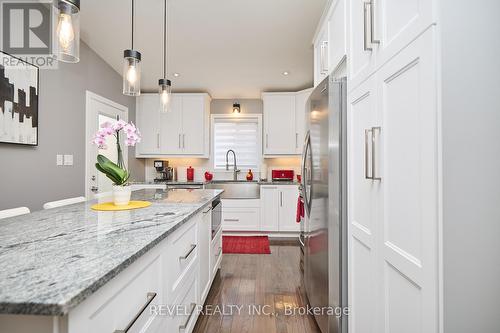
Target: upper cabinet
{"points": [[284, 122], [379, 29], [184, 131], [330, 41]]}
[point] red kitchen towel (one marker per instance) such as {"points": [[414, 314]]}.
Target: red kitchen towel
{"points": [[300, 209]]}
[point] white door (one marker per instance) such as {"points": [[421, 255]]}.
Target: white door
{"points": [[171, 128], [148, 122], [99, 110], [408, 234], [300, 119], [193, 125], [288, 208], [279, 124], [269, 206], [364, 215]]}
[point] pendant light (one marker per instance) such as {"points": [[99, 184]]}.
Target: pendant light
{"points": [[132, 67], [165, 85], [236, 107], [68, 30]]}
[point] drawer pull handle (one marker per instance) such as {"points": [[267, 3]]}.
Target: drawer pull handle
{"points": [[220, 251], [183, 327], [232, 220], [151, 296], [191, 249], [209, 209]]}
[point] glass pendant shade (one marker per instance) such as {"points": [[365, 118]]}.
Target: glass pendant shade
{"points": [[165, 92], [131, 73], [68, 30]]}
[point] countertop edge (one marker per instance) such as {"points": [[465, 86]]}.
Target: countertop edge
{"points": [[44, 309]]}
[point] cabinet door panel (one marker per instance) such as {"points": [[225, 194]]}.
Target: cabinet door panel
{"points": [[204, 238], [336, 35], [301, 108], [269, 206], [171, 124], [288, 208], [279, 124], [193, 124], [363, 213], [408, 233], [148, 115]]}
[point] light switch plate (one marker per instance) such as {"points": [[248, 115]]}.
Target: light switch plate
{"points": [[59, 159], [68, 159]]}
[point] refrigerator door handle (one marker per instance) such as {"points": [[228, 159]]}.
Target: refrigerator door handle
{"points": [[305, 186]]}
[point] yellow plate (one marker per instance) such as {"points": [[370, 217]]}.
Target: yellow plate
{"points": [[109, 206]]}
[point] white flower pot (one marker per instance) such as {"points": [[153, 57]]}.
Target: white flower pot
{"points": [[121, 195]]}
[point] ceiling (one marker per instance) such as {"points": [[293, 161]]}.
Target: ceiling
{"points": [[228, 48]]}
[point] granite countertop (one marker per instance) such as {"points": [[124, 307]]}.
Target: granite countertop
{"points": [[52, 260]]}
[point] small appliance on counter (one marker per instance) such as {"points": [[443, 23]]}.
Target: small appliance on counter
{"points": [[165, 173], [282, 175]]}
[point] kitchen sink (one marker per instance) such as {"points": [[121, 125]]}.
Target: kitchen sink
{"points": [[236, 189]]}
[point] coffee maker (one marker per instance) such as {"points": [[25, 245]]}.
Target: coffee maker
{"points": [[165, 173]]}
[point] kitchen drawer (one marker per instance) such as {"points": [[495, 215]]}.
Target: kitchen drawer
{"points": [[216, 254], [184, 307], [245, 218], [182, 253], [115, 306]]}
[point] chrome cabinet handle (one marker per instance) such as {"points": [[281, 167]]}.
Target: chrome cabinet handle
{"points": [[372, 23], [296, 140], [323, 57], [374, 177], [367, 153], [232, 220], [150, 297], [158, 140], [365, 27], [179, 141], [184, 326], [183, 141], [191, 249], [281, 199]]}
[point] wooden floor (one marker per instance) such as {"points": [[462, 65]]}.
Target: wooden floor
{"points": [[270, 282]]}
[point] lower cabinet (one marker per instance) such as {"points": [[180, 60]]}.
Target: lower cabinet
{"points": [[215, 255], [241, 215], [279, 208], [204, 243]]}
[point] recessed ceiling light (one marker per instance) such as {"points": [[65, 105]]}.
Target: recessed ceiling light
{"points": [[177, 74], [286, 73]]}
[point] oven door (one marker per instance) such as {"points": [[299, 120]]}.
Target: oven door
{"points": [[216, 217]]}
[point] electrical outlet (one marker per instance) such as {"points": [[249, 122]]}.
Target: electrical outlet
{"points": [[68, 159], [59, 160]]}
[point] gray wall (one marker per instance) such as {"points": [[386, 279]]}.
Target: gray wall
{"points": [[29, 175], [221, 106], [471, 165]]}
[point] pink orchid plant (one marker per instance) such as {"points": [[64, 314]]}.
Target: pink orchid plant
{"points": [[116, 172]]}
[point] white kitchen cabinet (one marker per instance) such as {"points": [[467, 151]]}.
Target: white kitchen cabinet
{"points": [[337, 47], [148, 122], [379, 29], [183, 132], [280, 133], [204, 238], [269, 203], [393, 194], [301, 107], [279, 208], [215, 255], [240, 214]]}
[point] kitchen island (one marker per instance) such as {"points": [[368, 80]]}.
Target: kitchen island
{"points": [[72, 269]]}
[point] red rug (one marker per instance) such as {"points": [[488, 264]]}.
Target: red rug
{"points": [[246, 244]]}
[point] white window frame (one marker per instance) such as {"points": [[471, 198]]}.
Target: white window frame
{"points": [[257, 117]]}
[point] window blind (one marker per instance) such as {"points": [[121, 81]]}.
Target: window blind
{"points": [[240, 135]]}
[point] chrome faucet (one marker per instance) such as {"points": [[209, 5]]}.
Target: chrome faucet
{"points": [[235, 169]]}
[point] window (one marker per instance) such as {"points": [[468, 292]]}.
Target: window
{"points": [[241, 134]]}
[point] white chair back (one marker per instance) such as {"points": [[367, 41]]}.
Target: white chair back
{"points": [[64, 202], [13, 212]]}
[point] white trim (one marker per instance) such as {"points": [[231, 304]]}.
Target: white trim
{"points": [[88, 147]]}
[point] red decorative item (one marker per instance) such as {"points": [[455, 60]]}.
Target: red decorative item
{"points": [[190, 174], [208, 176], [299, 178], [249, 175], [246, 244]]}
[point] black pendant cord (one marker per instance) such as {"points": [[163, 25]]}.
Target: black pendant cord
{"points": [[165, 40], [132, 24]]}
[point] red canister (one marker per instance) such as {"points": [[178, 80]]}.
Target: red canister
{"points": [[190, 174]]}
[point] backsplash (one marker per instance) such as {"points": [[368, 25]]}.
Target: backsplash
{"points": [[201, 165]]}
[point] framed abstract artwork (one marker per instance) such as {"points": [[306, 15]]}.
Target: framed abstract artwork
{"points": [[18, 101]]}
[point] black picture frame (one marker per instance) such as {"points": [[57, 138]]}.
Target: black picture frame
{"points": [[36, 112]]}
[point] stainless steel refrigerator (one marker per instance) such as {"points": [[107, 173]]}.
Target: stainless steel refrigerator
{"points": [[324, 192]]}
